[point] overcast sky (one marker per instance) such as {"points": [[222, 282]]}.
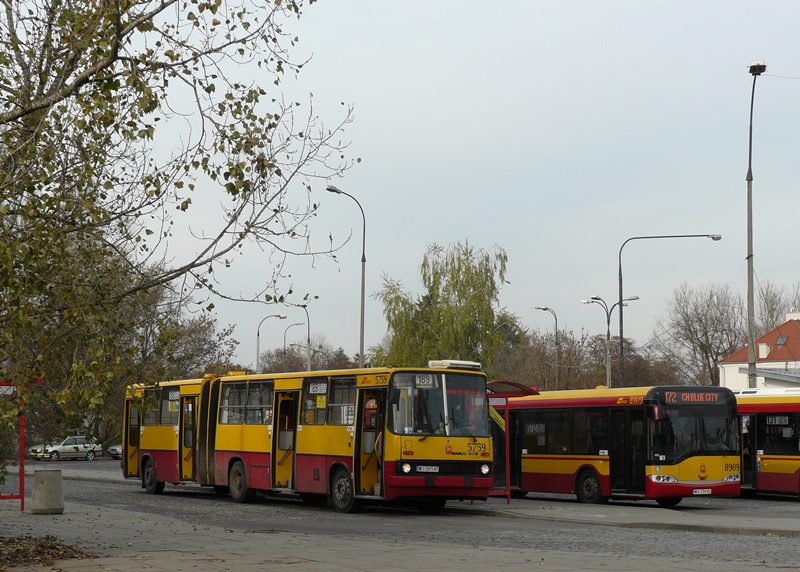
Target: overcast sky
{"points": [[555, 130]]}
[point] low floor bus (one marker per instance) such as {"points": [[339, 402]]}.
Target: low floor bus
{"points": [[770, 423], [353, 436], [661, 443]]}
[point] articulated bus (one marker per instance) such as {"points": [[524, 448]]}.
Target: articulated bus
{"points": [[661, 443], [770, 423], [354, 436]]}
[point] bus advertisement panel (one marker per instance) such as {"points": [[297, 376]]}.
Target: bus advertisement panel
{"points": [[355, 436], [770, 423], [661, 443]]}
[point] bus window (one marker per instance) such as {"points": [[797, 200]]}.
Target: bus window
{"points": [[152, 400], [259, 402], [341, 404], [371, 414], [170, 408], [315, 401], [559, 431], [232, 404]]}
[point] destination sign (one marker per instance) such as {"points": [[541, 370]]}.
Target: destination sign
{"points": [[691, 397]]}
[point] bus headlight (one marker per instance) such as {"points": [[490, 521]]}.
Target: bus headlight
{"points": [[406, 468], [735, 478], [485, 469], [663, 479]]}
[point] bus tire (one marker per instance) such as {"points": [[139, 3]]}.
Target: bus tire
{"points": [[588, 488], [342, 494], [431, 506], [151, 484], [237, 484], [669, 502]]}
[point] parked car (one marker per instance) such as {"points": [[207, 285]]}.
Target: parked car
{"points": [[115, 451], [75, 447]]}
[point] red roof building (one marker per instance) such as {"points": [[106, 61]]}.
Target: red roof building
{"points": [[777, 359]]}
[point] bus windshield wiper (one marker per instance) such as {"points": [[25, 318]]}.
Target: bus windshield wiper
{"points": [[461, 424]]}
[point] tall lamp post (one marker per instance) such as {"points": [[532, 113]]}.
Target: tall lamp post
{"points": [[308, 338], [258, 339], [598, 300], [558, 358], [714, 237], [756, 68], [284, 341], [333, 189]]}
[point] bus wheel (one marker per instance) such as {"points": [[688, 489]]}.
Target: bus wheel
{"points": [[342, 495], [588, 488], [431, 506], [237, 484], [151, 485], [669, 502]]}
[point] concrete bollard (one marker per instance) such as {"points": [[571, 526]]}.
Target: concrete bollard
{"points": [[47, 496]]}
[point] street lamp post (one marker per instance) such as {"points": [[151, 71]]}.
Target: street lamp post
{"points": [[284, 341], [333, 189], [598, 300], [258, 338], [558, 358], [308, 338], [714, 237], [756, 68]]}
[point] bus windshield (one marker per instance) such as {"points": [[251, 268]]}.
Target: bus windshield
{"points": [[681, 432], [426, 403]]}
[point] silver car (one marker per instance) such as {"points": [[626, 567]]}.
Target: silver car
{"points": [[75, 447], [115, 451]]}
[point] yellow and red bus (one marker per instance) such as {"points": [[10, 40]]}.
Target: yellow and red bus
{"points": [[661, 443], [359, 436], [770, 423]]}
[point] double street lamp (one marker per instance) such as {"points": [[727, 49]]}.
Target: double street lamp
{"points": [[713, 237], [258, 339], [558, 359], [333, 189], [599, 301]]}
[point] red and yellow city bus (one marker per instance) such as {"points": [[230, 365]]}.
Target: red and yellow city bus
{"points": [[770, 423], [661, 443], [356, 436]]}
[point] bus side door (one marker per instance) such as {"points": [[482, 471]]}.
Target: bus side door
{"points": [[368, 454], [130, 445], [186, 448], [283, 439], [627, 451]]}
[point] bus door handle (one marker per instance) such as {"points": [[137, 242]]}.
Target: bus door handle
{"points": [[286, 454]]}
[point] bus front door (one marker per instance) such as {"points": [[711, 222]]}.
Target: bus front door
{"points": [[368, 454], [130, 445], [627, 451], [283, 439], [186, 448]]}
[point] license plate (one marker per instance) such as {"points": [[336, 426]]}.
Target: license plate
{"points": [[427, 469], [701, 491]]}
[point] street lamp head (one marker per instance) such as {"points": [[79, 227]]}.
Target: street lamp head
{"points": [[545, 308], [631, 298], [332, 189], [595, 297], [586, 301], [757, 67], [715, 237], [281, 317]]}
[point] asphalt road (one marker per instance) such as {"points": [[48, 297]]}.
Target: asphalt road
{"points": [[99, 483]]}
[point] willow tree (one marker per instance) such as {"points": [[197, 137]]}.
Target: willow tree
{"points": [[456, 318], [119, 117]]}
